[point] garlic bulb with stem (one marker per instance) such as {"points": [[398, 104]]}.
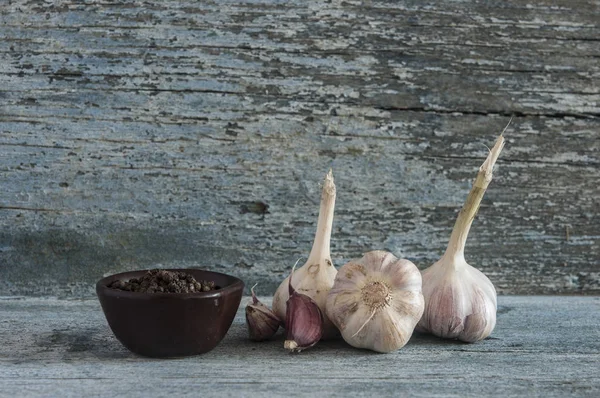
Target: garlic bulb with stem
{"points": [[376, 301], [460, 301], [316, 276], [262, 323]]}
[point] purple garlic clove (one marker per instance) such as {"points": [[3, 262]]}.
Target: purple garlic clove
{"points": [[261, 321], [303, 321]]}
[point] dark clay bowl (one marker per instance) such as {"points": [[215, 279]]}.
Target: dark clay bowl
{"points": [[171, 324]]}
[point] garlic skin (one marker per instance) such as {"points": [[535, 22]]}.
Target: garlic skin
{"points": [[376, 301], [262, 323], [315, 278], [460, 301]]}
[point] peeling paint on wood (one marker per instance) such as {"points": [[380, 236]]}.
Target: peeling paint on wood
{"points": [[138, 135]]}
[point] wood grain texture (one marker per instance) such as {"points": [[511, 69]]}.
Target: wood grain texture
{"points": [[183, 133], [541, 347]]}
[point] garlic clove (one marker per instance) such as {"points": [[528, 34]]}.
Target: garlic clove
{"points": [[376, 301], [316, 276], [482, 320], [261, 321], [460, 301], [303, 322]]}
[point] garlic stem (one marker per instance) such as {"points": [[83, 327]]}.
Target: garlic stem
{"points": [[321, 245], [458, 239]]}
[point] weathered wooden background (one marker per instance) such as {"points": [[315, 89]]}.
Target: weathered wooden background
{"points": [[138, 134]]}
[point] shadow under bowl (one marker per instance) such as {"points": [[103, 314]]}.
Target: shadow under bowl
{"points": [[171, 324]]}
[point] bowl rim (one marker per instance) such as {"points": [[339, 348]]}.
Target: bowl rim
{"points": [[102, 286]]}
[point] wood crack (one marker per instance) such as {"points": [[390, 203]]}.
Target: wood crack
{"points": [[34, 209], [23, 144], [515, 113], [294, 48], [517, 160]]}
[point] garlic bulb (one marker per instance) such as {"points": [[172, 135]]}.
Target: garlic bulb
{"points": [[262, 323], [460, 301], [316, 276], [376, 301]]}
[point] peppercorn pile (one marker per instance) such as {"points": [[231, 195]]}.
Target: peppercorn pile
{"points": [[163, 281]]}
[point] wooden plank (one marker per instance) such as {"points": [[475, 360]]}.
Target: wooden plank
{"points": [[154, 135], [542, 346]]}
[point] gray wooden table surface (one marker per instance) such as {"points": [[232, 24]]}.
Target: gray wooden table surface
{"points": [[542, 347], [184, 133]]}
